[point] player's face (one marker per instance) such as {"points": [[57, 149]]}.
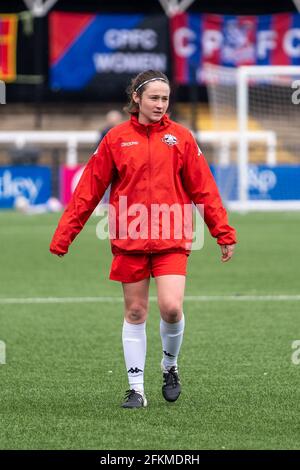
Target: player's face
{"points": [[154, 102]]}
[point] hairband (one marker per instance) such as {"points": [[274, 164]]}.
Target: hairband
{"points": [[150, 80]]}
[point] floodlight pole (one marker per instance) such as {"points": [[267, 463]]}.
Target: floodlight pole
{"points": [[39, 8], [173, 7]]}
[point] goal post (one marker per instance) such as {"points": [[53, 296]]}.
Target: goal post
{"points": [[261, 99]]}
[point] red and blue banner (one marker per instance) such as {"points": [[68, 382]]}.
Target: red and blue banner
{"points": [[232, 41], [8, 44], [104, 51]]}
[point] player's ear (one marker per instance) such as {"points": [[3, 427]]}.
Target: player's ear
{"points": [[135, 97]]}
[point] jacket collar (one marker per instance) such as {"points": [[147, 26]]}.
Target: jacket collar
{"points": [[154, 126]]}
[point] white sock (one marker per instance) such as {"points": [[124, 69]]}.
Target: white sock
{"points": [[134, 346], [171, 338]]}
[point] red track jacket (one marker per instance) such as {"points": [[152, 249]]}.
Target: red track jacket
{"points": [[155, 164]]}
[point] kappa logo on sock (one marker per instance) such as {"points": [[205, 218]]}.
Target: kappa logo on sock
{"points": [[168, 354], [134, 371]]}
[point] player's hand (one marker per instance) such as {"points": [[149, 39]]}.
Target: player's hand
{"points": [[227, 252], [55, 253], [58, 254]]}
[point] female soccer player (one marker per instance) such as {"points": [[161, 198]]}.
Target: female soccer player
{"points": [[150, 162]]}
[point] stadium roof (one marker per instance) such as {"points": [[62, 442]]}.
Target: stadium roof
{"points": [[171, 7], [247, 7]]}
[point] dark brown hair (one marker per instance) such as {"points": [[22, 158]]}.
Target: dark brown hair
{"points": [[135, 83]]}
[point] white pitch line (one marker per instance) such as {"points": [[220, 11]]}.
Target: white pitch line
{"points": [[188, 298], [243, 298]]}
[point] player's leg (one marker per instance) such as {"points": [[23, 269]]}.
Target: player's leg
{"points": [[136, 298], [170, 293], [170, 272]]}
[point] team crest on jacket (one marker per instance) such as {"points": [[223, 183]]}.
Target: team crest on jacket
{"points": [[169, 139]]}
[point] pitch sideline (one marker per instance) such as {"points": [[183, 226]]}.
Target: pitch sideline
{"points": [[188, 298]]}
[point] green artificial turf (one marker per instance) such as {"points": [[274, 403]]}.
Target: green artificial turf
{"points": [[64, 377]]}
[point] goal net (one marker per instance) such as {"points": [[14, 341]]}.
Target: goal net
{"points": [[258, 107]]}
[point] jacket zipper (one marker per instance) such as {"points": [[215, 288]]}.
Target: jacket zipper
{"points": [[149, 209]]}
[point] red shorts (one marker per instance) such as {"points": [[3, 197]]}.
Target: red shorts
{"points": [[134, 268]]}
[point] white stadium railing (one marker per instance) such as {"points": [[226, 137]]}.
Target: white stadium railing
{"points": [[224, 139], [72, 139]]}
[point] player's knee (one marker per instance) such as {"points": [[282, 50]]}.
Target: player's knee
{"points": [[171, 311], [136, 313]]}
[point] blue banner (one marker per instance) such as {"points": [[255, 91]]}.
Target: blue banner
{"points": [[105, 51], [31, 182], [279, 183]]}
